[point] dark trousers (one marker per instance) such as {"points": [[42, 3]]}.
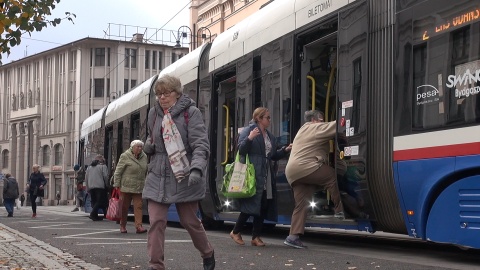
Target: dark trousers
{"points": [[99, 201], [9, 205], [33, 202], [257, 220]]}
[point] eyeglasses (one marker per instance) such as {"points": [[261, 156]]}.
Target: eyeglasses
{"points": [[165, 93]]}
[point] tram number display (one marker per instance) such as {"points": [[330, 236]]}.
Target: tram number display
{"points": [[451, 23]]}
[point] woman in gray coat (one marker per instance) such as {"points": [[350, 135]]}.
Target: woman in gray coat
{"points": [[179, 150], [261, 147]]}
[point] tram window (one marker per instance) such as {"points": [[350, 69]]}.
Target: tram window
{"points": [[446, 94], [461, 45], [257, 81], [135, 127], [119, 139], [419, 71], [463, 105]]}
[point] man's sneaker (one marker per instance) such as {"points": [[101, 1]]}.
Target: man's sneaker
{"points": [[75, 209], [340, 215], [294, 243]]}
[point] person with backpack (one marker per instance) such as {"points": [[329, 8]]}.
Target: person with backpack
{"points": [[10, 193], [179, 149]]}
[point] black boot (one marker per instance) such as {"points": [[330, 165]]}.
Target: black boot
{"points": [[209, 263]]}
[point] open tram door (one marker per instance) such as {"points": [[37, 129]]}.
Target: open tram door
{"points": [[317, 68], [332, 56], [225, 128]]}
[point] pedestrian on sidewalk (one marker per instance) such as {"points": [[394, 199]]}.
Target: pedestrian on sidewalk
{"points": [[10, 193], [22, 199], [58, 197], [262, 148], [80, 195], [129, 177], [97, 182], [177, 169], [36, 187]]}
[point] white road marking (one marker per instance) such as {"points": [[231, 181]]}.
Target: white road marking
{"points": [[144, 242], [83, 234], [55, 225]]}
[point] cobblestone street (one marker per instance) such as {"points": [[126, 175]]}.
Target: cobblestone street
{"points": [[20, 251]]}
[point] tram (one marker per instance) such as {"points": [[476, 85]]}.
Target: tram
{"points": [[400, 77]]}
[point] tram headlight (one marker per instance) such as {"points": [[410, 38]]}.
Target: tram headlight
{"points": [[313, 204]]}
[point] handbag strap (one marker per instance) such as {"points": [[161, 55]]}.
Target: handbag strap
{"points": [[237, 158], [115, 193]]}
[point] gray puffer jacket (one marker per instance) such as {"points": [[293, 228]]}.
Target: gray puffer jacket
{"points": [[96, 176], [160, 184]]}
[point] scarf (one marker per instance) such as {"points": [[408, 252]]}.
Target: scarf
{"points": [[175, 148]]}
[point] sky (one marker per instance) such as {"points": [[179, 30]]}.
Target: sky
{"points": [[101, 19]]}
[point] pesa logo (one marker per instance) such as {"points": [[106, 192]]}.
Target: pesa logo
{"points": [[427, 94]]}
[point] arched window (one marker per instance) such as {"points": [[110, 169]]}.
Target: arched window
{"points": [[46, 155], [58, 154], [5, 157]]}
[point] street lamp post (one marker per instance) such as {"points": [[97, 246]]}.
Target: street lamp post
{"points": [[201, 33], [182, 34]]}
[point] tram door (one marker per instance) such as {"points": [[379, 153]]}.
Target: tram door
{"points": [[352, 109], [227, 130], [318, 70]]}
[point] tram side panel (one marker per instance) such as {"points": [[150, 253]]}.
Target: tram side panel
{"points": [[436, 144]]}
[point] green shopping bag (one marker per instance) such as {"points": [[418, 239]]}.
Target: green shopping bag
{"points": [[239, 179]]}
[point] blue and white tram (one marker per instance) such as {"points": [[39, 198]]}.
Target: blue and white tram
{"points": [[400, 77]]}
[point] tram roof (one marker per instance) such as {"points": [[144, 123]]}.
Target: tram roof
{"points": [[130, 102], [92, 123], [185, 68], [275, 20]]}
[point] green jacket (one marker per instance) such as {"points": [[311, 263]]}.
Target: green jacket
{"points": [[130, 172]]}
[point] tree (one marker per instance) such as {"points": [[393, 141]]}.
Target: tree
{"points": [[18, 17]]}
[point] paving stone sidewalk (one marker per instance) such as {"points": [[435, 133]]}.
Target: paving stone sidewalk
{"points": [[20, 251]]}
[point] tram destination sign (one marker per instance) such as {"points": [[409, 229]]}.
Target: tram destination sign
{"points": [[442, 25]]}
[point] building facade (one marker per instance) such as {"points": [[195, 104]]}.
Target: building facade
{"points": [[209, 18], [44, 99]]}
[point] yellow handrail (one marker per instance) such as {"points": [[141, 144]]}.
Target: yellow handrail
{"points": [[227, 131], [313, 90]]}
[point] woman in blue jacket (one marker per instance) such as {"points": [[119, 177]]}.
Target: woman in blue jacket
{"points": [[261, 147]]}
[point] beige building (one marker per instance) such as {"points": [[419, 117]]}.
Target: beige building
{"points": [[212, 17], [44, 99]]}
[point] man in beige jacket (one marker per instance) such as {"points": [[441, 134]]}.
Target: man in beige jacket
{"points": [[307, 170]]}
